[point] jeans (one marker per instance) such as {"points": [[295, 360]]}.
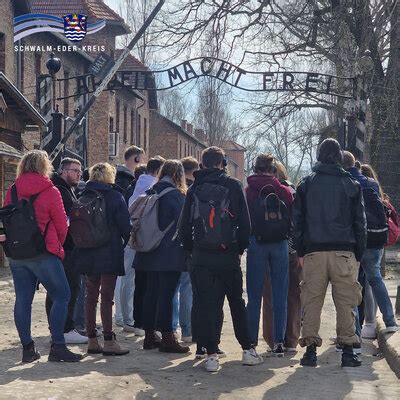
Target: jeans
{"points": [[49, 271], [124, 290], [211, 285], [157, 303], [93, 284], [267, 259], [74, 282], [371, 264], [182, 303], [79, 312]]}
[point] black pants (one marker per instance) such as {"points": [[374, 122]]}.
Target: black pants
{"points": [[138, 297], [211, 285], [196, 321], [74, 282], [361, 308], [157, 306]]}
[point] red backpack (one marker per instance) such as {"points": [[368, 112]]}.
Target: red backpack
{"points": [[393, 222]]}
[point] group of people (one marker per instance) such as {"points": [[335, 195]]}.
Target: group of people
{"points": [[297, 241]]}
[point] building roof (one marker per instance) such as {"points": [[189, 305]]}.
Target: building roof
{"points": [[96, 9], [7, 150], [177, 128], [230, 145], [17, 102]]}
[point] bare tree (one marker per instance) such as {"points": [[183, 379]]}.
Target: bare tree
{"points": [[174, 105]]}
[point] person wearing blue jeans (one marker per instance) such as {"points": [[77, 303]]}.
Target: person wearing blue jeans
{"points": [[371, 265], [182, 304], [124, 292], [49, 271], [271, 259]]}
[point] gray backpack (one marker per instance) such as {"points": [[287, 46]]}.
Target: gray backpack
{"points": [[145, 233]]}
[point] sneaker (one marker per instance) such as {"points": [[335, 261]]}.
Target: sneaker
{"points": [[310, 356], [139, 332], [119, 323], [369, 331], [129, 328], [357, 348], [278, 351], [74, 337], [201, 353], [187, 339], [251, 357], [221, 353], [391, 329], [212, 363], [339, 348]]}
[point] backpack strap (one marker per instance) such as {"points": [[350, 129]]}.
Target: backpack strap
{"points": [[269, 185], [165, 191]]}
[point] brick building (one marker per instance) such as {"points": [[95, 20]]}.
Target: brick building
{"points": [[118, 118], [171, 140]]}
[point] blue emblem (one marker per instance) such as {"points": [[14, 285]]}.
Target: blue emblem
{"points": [[75, 26]]}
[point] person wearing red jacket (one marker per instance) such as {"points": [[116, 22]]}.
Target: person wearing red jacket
{"points": [[267, 257], [33, 179]]}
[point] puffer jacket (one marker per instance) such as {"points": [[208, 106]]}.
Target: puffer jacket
{"points": [[48, 206], [328, 212]]}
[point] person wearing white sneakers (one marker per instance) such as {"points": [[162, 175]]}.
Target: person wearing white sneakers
{"points": [[216, 234]]}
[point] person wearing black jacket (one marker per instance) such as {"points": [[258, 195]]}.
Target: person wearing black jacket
{"points": [[66, 181], [217, 273], [330, 233]]}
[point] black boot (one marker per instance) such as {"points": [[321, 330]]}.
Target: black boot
{"points": [[60, 352], [310, 356], [29, 353], [349, 359]]}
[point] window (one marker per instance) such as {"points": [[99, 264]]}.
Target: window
{"points": [[117, 110], [125, 124], [139, 130], [180, 148], [2, 52], [132, 126], [113, 144], [111, 124], [185, 149], [66, 93]]}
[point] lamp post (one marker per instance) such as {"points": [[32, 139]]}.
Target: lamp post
{"points": [[53, 64]]}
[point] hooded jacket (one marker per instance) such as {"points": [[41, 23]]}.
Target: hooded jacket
{"points": [[144, 183], [328, 212], [48, 208], [238, 208], [68, 198], [107, 259], [363, 180], [258, 182]]}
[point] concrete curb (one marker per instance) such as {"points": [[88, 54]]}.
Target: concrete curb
{"points": [[389, 344]]}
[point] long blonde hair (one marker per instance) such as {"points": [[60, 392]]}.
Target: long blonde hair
{"points": [[174, 170], [102, 172], [281, 171], [35, 161], [369, 172]]}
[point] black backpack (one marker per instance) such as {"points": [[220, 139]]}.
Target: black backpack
{"points": [[377, 223], [213, 224], [23, 236], [88, 221], [271, 221]]}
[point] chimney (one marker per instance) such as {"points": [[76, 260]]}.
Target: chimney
{"points": [[200, 134], [189, 128], [183, 124]]}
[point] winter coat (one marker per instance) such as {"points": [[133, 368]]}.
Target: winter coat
{"points": [[107, 259], [363, 180], [258, 182], [237, 207], [169, 255], [124, 177], [48, 206], [68, 198], [328, 212]]}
